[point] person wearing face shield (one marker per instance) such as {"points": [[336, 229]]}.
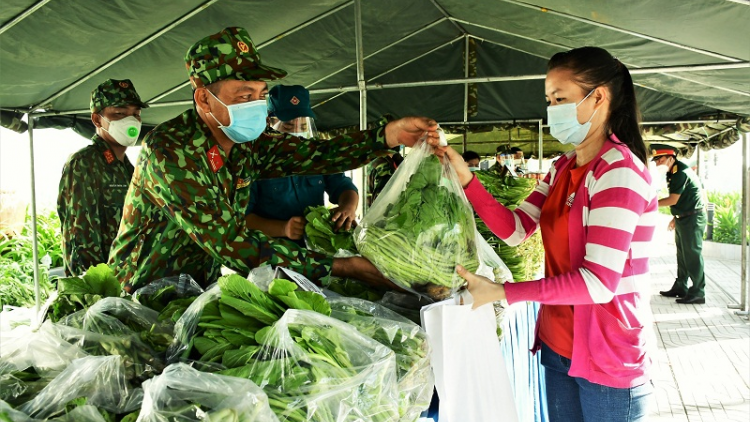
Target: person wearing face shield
{"points": [[96, 178], [686, 203], [596, 210], [186, 210], [277, 206]]}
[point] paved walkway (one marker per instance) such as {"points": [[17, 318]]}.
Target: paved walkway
{"points": [[703, 361]]}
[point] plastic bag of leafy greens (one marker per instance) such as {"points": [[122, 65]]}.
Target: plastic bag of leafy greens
{"points": [[184, 394], [316, 368], [98, 379], [161, 293], [420, 227], [116, 326], [322, 236], [186, 327], [407, 340]]}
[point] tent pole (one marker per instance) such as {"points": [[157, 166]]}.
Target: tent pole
{"points": [[743, 305], [26, 13], [466, 76], [362, 87], [35, 242], [541, 143]]}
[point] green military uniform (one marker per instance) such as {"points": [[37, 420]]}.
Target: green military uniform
{"points": [[186, 209], [380, 172], [92, 193], [690, 223], [93, 187]]}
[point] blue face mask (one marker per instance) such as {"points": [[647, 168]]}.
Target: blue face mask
{"points": [[247, 121], [563, 123]]}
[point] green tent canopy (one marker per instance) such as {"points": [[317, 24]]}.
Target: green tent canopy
{"points": [[690, 60]]}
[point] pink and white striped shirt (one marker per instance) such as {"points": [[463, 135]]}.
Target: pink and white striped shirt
{"points": [[611, 223]]}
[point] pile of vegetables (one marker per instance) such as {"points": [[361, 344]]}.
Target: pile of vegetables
{"points": [[524, 260], [17, 261], [419, 238], [281, 345]]}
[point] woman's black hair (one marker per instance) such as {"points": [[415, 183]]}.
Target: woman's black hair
{"points": [[593, 67]]}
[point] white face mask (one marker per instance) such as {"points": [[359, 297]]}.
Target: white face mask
{"points": [[662, 169], [563, 122], [124, 131]]}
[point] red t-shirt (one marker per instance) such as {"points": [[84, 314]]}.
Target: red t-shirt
{"points": [[556, 321]]}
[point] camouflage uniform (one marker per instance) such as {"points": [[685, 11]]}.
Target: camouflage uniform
{"points": [[93, 187], [381, 171], [185, 211]]}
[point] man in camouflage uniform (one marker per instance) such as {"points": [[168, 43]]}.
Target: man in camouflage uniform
{"points": [[96, 178], [686, 203], [185, 210]]}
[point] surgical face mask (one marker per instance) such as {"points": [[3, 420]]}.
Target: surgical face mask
{"points": [[474, 168], [124, 131], [662, 169], [247, 121], [302, 127], [563, 122]]}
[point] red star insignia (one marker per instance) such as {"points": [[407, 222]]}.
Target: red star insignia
{"points": [[294, 101]]}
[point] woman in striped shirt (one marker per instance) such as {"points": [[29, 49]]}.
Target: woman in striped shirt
{"points": [[596, 210]]}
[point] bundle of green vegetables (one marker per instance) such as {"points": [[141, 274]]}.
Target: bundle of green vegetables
{"points": [[321, 235], [307, 369], [421, 227], [524, 260], [79, 293]]}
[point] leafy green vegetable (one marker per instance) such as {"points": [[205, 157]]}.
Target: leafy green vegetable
{"points": [[321, 236], [78, 293], [423, 234]]}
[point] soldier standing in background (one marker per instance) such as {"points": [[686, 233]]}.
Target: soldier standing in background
{"points": [[686, 204], [96, 178], [186, 209]]}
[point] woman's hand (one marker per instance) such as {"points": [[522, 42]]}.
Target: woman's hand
{"points": [[481, 288]]}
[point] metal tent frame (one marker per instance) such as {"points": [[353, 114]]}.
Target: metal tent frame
{"points": [[364, 85]]}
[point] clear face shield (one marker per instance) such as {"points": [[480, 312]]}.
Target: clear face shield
{"points": [[303, 127]]}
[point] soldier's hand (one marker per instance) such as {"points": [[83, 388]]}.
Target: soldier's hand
{"points": [[408, 130], [362, 269], [295, 228], [670, 227], [345, 217]]}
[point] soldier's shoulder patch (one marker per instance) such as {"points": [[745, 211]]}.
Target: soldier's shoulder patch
{"points": [[214, 159], [109, 157]]}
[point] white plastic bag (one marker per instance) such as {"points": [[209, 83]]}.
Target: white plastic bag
{"points": [[470, 374], [184, 394]]}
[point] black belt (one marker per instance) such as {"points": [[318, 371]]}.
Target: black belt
{"points": [[689, 213]]}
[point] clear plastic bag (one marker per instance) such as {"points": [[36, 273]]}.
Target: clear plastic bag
{"points": [[116, 326], [186, 327], [101, 379], [160, 293], [421, 226], [30, 359], [184, 394], [316, 368], [407, 340]]}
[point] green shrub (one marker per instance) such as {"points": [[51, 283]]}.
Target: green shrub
{"points": [[727, 216]]}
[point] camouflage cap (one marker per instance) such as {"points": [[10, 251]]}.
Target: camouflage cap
{"points": [[229, 54], [115, 93]]}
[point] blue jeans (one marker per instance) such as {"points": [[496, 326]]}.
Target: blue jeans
{"points": [[571, 399]]}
